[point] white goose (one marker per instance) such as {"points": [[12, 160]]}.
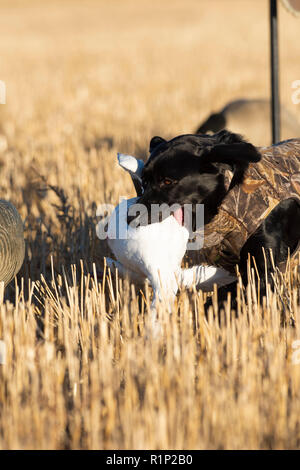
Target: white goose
{"points": [[154, 252]]}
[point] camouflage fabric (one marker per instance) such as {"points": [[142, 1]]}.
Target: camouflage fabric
{"points": [[275, 178]]}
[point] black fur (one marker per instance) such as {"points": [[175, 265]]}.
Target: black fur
{"points": [[195, 165]]}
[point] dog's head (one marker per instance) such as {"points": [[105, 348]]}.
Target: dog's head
{"points": [[191, 169]]}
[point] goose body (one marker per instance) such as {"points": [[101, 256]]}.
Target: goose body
{"points": [[152, 252]]}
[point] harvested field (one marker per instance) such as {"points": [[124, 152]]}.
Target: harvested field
{"points": [[85, 80]]}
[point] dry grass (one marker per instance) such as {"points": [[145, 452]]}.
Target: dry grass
{"points": [[85, 80]]}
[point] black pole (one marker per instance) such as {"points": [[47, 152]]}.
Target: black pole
{"points": [[274, 73]]}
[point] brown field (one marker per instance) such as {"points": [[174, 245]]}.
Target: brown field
{"points": [[85, 80]]}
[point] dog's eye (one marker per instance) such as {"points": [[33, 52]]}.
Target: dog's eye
{"points": [[167, 181]]}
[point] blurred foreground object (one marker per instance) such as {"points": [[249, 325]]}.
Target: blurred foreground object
{"points": [[12, 245]]}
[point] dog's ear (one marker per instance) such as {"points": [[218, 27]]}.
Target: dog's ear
{"points": [[239, 154], [230, 149], [226, 137], [155, 141], [232, 152]]}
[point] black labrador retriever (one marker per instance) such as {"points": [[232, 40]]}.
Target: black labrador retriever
{"points": [[251, 196]]}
